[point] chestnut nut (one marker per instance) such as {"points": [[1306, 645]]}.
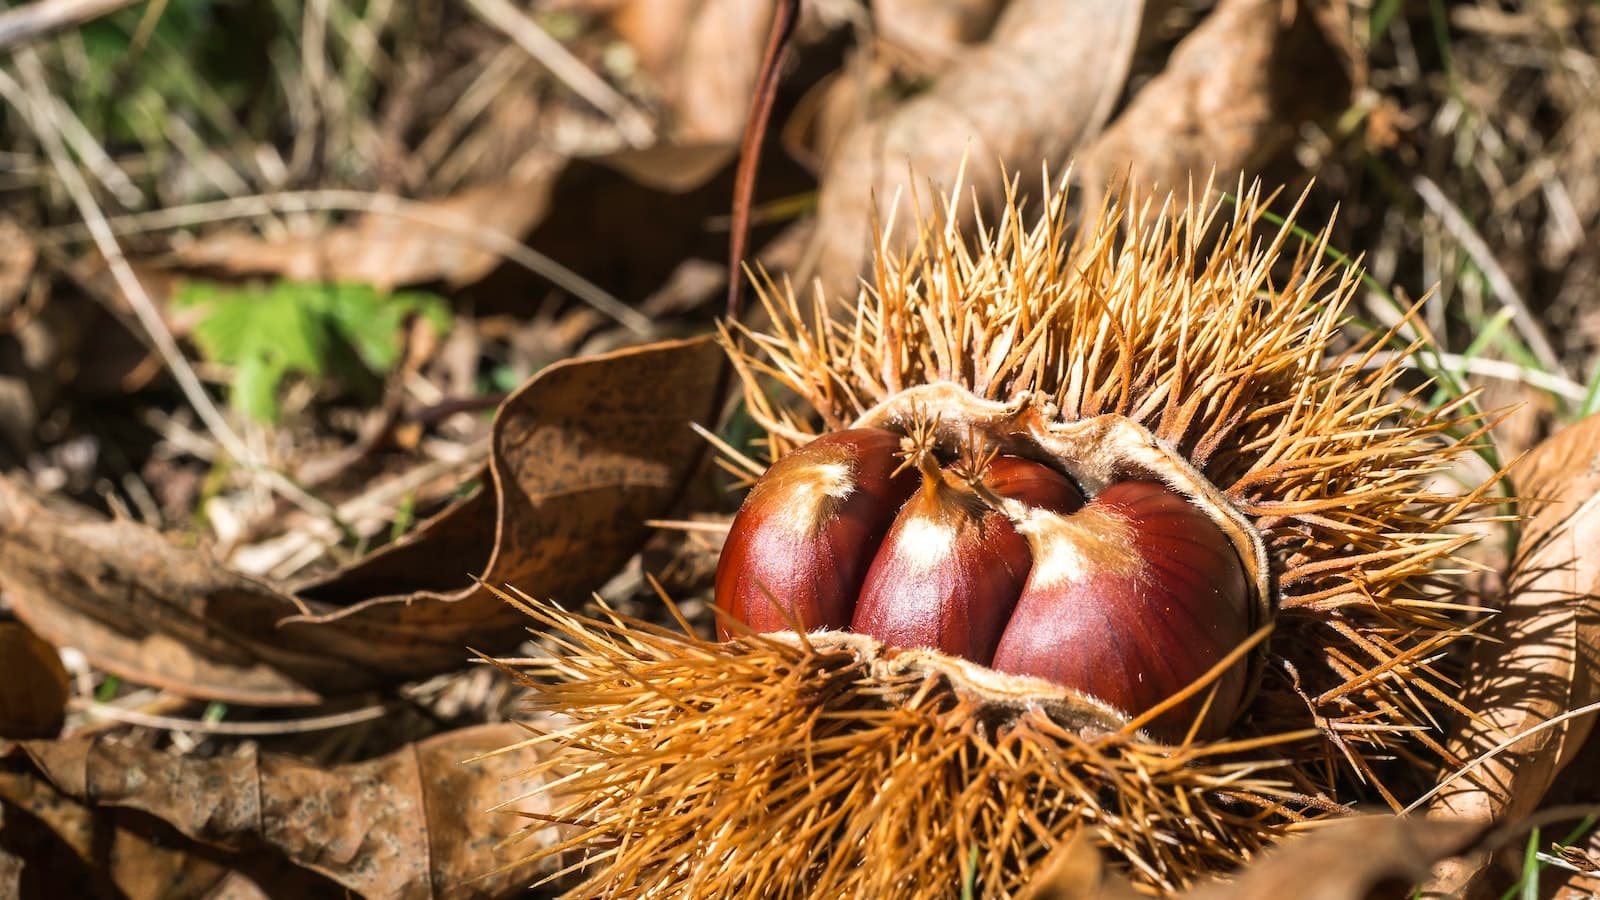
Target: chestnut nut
{"points": [[1127, 598]]}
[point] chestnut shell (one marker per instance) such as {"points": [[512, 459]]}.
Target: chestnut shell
{"points": [[950, 571], [808, 530]]}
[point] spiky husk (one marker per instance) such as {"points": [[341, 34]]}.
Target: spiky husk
{"points": [[762, 767], [803, 767]]}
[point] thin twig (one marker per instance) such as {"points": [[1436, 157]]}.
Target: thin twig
{"points": [[1499, 282], [633, 124], [690, 525], [784, 17], [331, 200], [240, 729], [35, 20]]}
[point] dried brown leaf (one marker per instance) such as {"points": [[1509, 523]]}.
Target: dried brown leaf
{"points": [[33, 684], [713, 70], [145, 608], [1583, 884], [701, 59], [933, 32], [412, 824], [581, 456], [1543, 653], [1044, 82], [52, 845], [433, 241], [1233, 96], [1346, 860]]}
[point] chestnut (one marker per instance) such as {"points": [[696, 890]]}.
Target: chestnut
{"points": [[808, 530], [951, 568], [1130, 600]]}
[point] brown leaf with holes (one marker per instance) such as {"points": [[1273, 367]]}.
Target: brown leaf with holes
{"points": [[1044, 82], [1542, 656], [33, 684], [412, 824], [1345, 860], [581, 456], [1232, 97]]}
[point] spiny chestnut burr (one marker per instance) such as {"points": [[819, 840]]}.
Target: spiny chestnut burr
{"points": [[1131, 600], [808, 530], [1205, 396], [951, 568]]}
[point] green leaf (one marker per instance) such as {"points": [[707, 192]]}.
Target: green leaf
{"points": [[306, 329]]}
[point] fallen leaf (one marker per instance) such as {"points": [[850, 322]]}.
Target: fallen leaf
{"points": [[581, 456], [1583, 884], [142, 607], [672, 168], [33, 684], [433, 241], [58, 846], [412, 824], [933, 32], [1234, 94], [702, 57], [1345, 860], [1543, 653], [1044, 82]]}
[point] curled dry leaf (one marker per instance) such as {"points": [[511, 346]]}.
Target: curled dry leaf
{"points": [[581, 456], [1233, 96], [1584, 883], [1542, 656], [1580, 878], [33, 684], [1346, 860], [412, 824], [1046, 79]]}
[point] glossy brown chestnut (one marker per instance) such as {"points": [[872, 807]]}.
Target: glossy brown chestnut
{"points": [[1130, 600], [808, 530], [951, 568]]}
